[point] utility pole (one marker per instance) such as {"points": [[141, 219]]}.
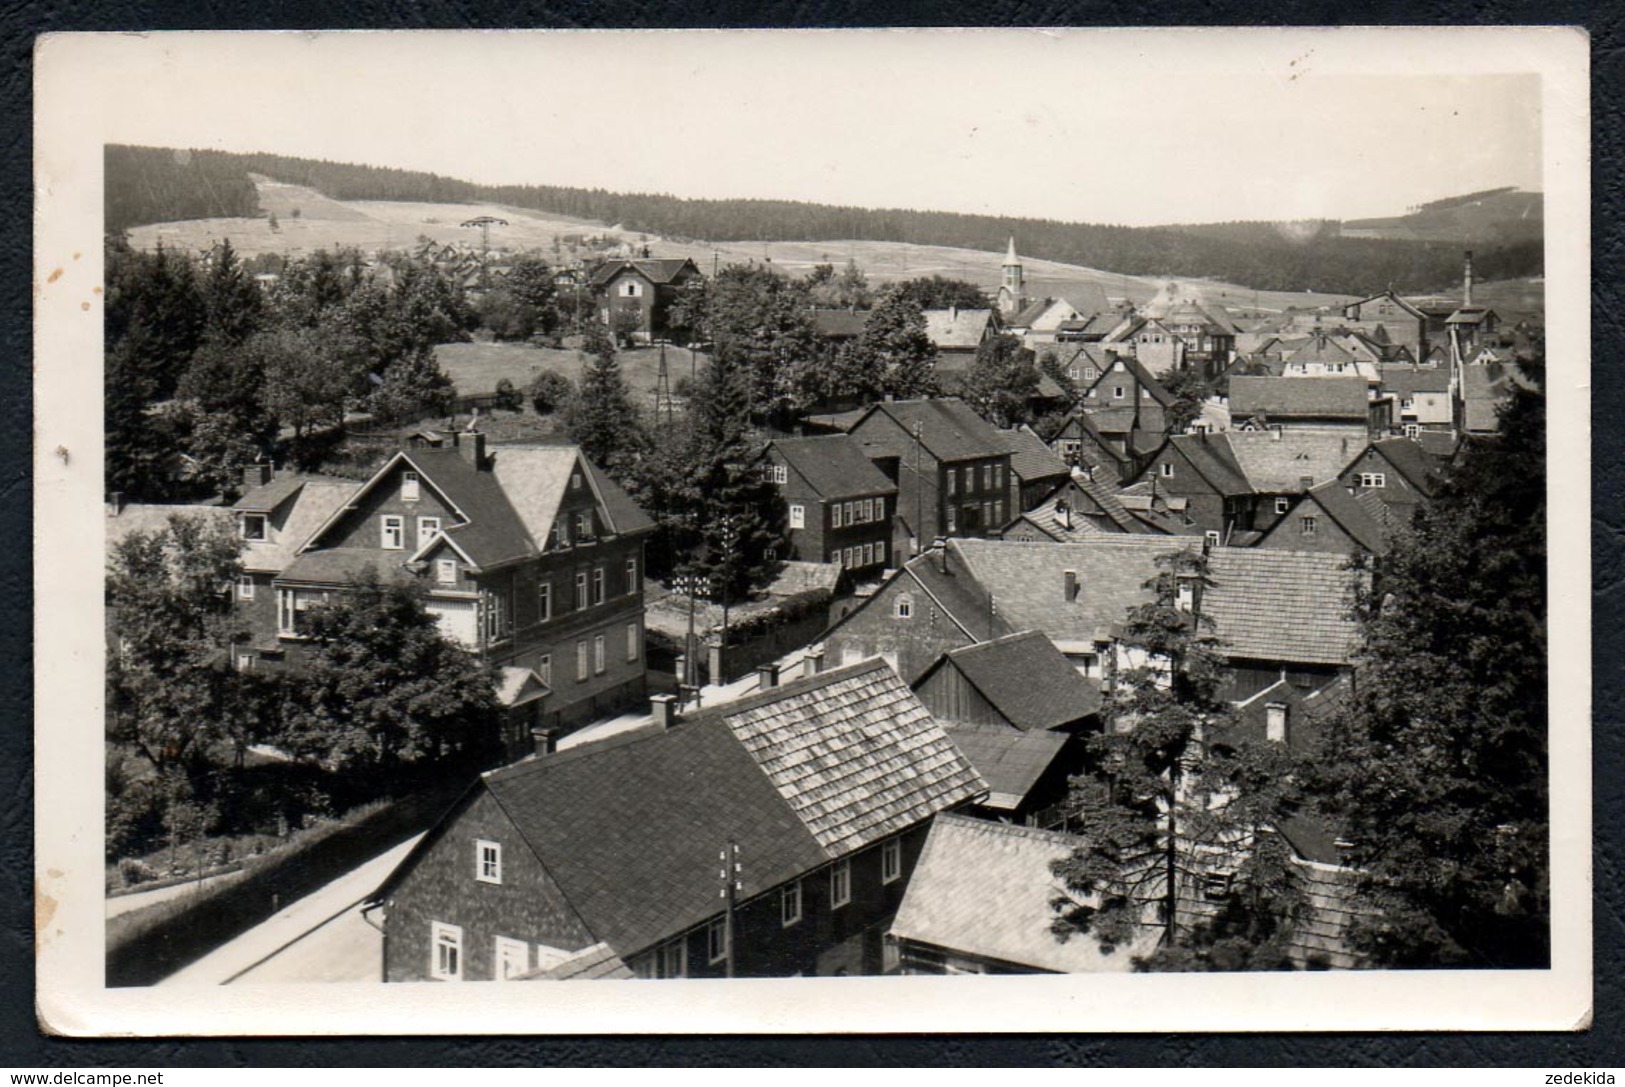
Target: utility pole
{"points": [[919, 495], [663, 388], [485, 223], [732, 875]]}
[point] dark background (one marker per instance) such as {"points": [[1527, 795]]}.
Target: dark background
{"points": [[22, 1045]]}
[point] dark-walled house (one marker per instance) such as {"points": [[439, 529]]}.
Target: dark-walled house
{"points": [[1329, 518], [952, 469], [811, 799], [1344, 404], [531, 558], [645, 288], [839, 505]]}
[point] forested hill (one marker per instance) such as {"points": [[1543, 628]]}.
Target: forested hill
{"points": [[149, 185]]}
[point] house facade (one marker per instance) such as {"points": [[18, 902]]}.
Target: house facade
{"points": [[705, 847], [951, 468], [531, 558], [639, 293], [1402, 321], [839, 505]]}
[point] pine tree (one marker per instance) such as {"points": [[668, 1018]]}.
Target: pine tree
{"points": [[600, 417], [738, 517], [1437, 772], [1174, 801], [893, 356], [233, 308]]}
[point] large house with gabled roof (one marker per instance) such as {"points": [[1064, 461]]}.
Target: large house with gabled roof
{"points": [[530, 557], [642, 290], [839, 505], [770, 836]]}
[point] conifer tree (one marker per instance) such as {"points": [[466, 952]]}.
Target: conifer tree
{"points": [[600, 417]]}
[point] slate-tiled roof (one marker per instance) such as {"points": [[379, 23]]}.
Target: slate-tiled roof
{"points": [[1410, 380], [1441, 445], [957, 592], [1104, 497], [656, 270], [1277, 463], [494, 532], [1214, 460], [1351, 515], [268, 496], [834, 466], [1011, 762], [140, 517], [1482, 393], [1278, 605], [949, 429], [340, 565], [984, 889], [625, 515], [1410, 460], [957, 328], [314, 500], [1026, 679], [853, 753], [1046, 518], [1284, 397], [1030, 459]]}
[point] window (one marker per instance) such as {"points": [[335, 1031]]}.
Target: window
{"points": [[392, 532], [245, 587], [840, 884], [904, 608], [1275, 722], [835, 515], [582, 523], [1216, 886], [1166, 470], [633, 583], [291, 607], [790, 904], [445, 571], [1117, 392], [631, 289], [244, 662], [987, 476], [674, 959], [880, 509], [1308, 526], [891, 860], [498, 614], [581, 660], [1413, 430], [951, 525], [634, 642], [410, 489], [556, 537], [512, 958], [1408, 403], [868, 554], [798, 516], [428, 529], [716, 941], [1211, 537], [253, 526], [781, 474], [581, 590], [1373, 479], [544, 668], [952, 481], [850, 512], [598, 654], [1282, 505], [445, 952], [597, 584], [488, 861], [544, 601], [575, 481]]}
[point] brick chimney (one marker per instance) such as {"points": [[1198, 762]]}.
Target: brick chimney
{"points": [[1467, 279], [767, 676], [471, 444], [257, 474], [813, 660], [663, 707]]}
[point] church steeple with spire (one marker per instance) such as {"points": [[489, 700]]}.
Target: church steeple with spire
{"points": [[1013, 287]]}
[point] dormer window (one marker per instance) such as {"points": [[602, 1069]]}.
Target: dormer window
{"points": [[410, 489], [254, 526]]}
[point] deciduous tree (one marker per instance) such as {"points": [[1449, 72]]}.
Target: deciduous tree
{"points": [[1002, 381]]}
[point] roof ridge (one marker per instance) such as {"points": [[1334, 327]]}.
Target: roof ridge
{"points": [[1007, 830]]}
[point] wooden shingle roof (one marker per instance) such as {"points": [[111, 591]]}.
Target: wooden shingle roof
{"points": [[1278, 605], [1337, 397]]}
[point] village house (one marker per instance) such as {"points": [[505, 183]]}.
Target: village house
{"points": [[1319, 403], [725, 844], [958, 332], [1184, 335], [1128, 406], [642, 290], [1018, 711], [1077, 509], [1201, 471], [1047, 319], [981, 902], [530, 556], [1322, 355], [1421, 396], [839, 505], [951, 468], [1404, 323], [1398, 472], [1035, 472], [1276, 610], [1079, 442], [1328, 517]]}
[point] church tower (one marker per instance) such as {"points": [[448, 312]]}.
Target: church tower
{"points": [[1013, 288]]}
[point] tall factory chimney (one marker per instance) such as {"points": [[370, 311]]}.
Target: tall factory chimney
{"points": [[1467, 280]]}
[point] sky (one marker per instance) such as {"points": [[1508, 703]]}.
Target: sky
{"points": [[1130, 127]]}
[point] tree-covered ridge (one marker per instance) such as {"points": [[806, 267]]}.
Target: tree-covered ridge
{"points": [[146, 185]]}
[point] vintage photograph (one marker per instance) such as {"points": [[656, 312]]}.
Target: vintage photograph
{"points": [[636, 507]]}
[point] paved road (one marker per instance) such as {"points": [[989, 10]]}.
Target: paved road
{"points": [[117, 904], [305, 936]]}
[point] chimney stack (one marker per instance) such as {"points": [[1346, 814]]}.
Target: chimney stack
{"points": [[1069, 584], [767, 676], [1305, 482], [1063, 513], [257, 474], [663, 707], [813, 660], [1467, 280], [115, 503], [543, 741], [471, 444]]}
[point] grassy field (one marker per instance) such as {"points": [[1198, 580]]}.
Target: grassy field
{"points": [[475, 368]]}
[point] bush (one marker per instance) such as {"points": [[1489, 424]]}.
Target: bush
{"points": [[507, 397], [550, 392], [132, 871]]}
